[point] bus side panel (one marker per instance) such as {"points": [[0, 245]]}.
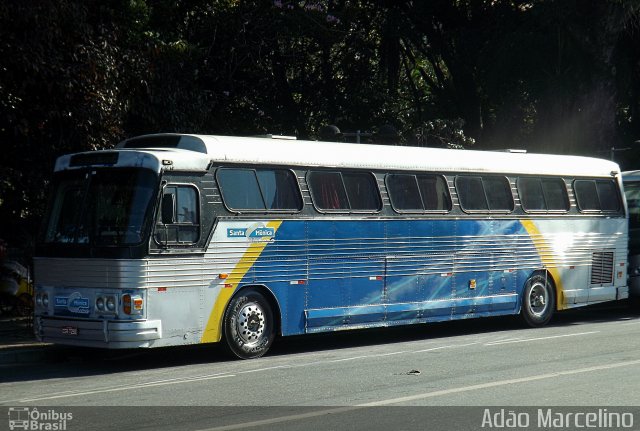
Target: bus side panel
{"points": [[344, 286], [417, 270], [586, 258], [333, 274]]}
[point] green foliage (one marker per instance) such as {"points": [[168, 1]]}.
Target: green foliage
{"points": [[76, 75]]}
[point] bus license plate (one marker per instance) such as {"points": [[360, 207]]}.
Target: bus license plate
{"points": [[69, 330]]}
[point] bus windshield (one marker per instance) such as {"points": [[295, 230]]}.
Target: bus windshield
{"points": [[101, 207]]}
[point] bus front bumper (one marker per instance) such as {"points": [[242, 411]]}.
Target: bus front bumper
{"points": [[98, 333]]}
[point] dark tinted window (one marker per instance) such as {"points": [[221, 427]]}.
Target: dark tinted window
{"points": [[608, 195], [548, 194], [471, 193], [404, 193], [498, 193], [586, 195], [555, 194], [484, 193], [362, 191], [328, 190], [434, 192], [410, 192], [596, 195], [531, 196], [279, 189], [101, 207], [348, 191], [259, 189]]}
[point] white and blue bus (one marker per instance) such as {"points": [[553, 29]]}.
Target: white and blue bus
{"points": [[175, 239]]}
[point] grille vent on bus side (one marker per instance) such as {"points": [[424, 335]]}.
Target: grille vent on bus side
{"points": [[602, 267]]}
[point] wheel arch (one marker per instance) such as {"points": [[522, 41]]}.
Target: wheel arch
{"points": [[269, 296]]}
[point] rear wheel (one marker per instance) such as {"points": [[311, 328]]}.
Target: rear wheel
{"points": [[249, 328], [538, 301]]}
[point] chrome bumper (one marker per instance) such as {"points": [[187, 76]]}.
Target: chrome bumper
{"points": [[97, 333]]}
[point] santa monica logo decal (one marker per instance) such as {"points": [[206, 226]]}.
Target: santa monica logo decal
{"points": [[255, 233]]}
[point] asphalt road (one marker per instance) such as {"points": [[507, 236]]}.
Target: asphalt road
{"points": [[585, 360]]}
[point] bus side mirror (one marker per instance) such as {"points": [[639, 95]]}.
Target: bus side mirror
{"points": [[168, 208]]}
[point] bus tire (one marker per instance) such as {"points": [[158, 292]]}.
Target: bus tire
{"points": [[538, 301], [248, 325]]}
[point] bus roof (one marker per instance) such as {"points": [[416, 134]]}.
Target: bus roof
{"points": [[252, 150]]}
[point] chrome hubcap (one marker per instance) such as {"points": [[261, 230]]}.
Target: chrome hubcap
{"points": [[251, 323], [538, 299]]}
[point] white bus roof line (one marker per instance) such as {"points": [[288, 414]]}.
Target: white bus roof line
{"points": [[252, 150]]}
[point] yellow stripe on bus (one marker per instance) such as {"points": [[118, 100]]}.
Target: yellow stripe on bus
{"points": [[546, 253], [213, 331]]}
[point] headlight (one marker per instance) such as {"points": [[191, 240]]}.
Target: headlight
{"points": [[100, 303], [111, 303], [39, 299], [45, 299]]}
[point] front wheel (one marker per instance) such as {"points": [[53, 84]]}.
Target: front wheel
{"points": [[249, 325], [538, 301]]}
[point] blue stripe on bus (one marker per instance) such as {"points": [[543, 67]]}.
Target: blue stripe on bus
{"points": [[333, 274]]}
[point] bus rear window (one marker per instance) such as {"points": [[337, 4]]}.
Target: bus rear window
{"points": [[245, 189]]}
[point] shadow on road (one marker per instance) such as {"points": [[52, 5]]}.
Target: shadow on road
{"points": [[65, 361]]}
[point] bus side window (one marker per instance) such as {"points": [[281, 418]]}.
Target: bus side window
{"points": [[435, 193], [404, 192], [178, 220], [248, 189], [498, 192], [555, 194], [362, 191], [597, 195], [531, 194], [471, 193], [608, 195], [327, 190], [279, 189]]}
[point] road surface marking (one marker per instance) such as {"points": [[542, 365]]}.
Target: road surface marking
{"points": [[526, 340], [425, 395], [175, 381]]}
